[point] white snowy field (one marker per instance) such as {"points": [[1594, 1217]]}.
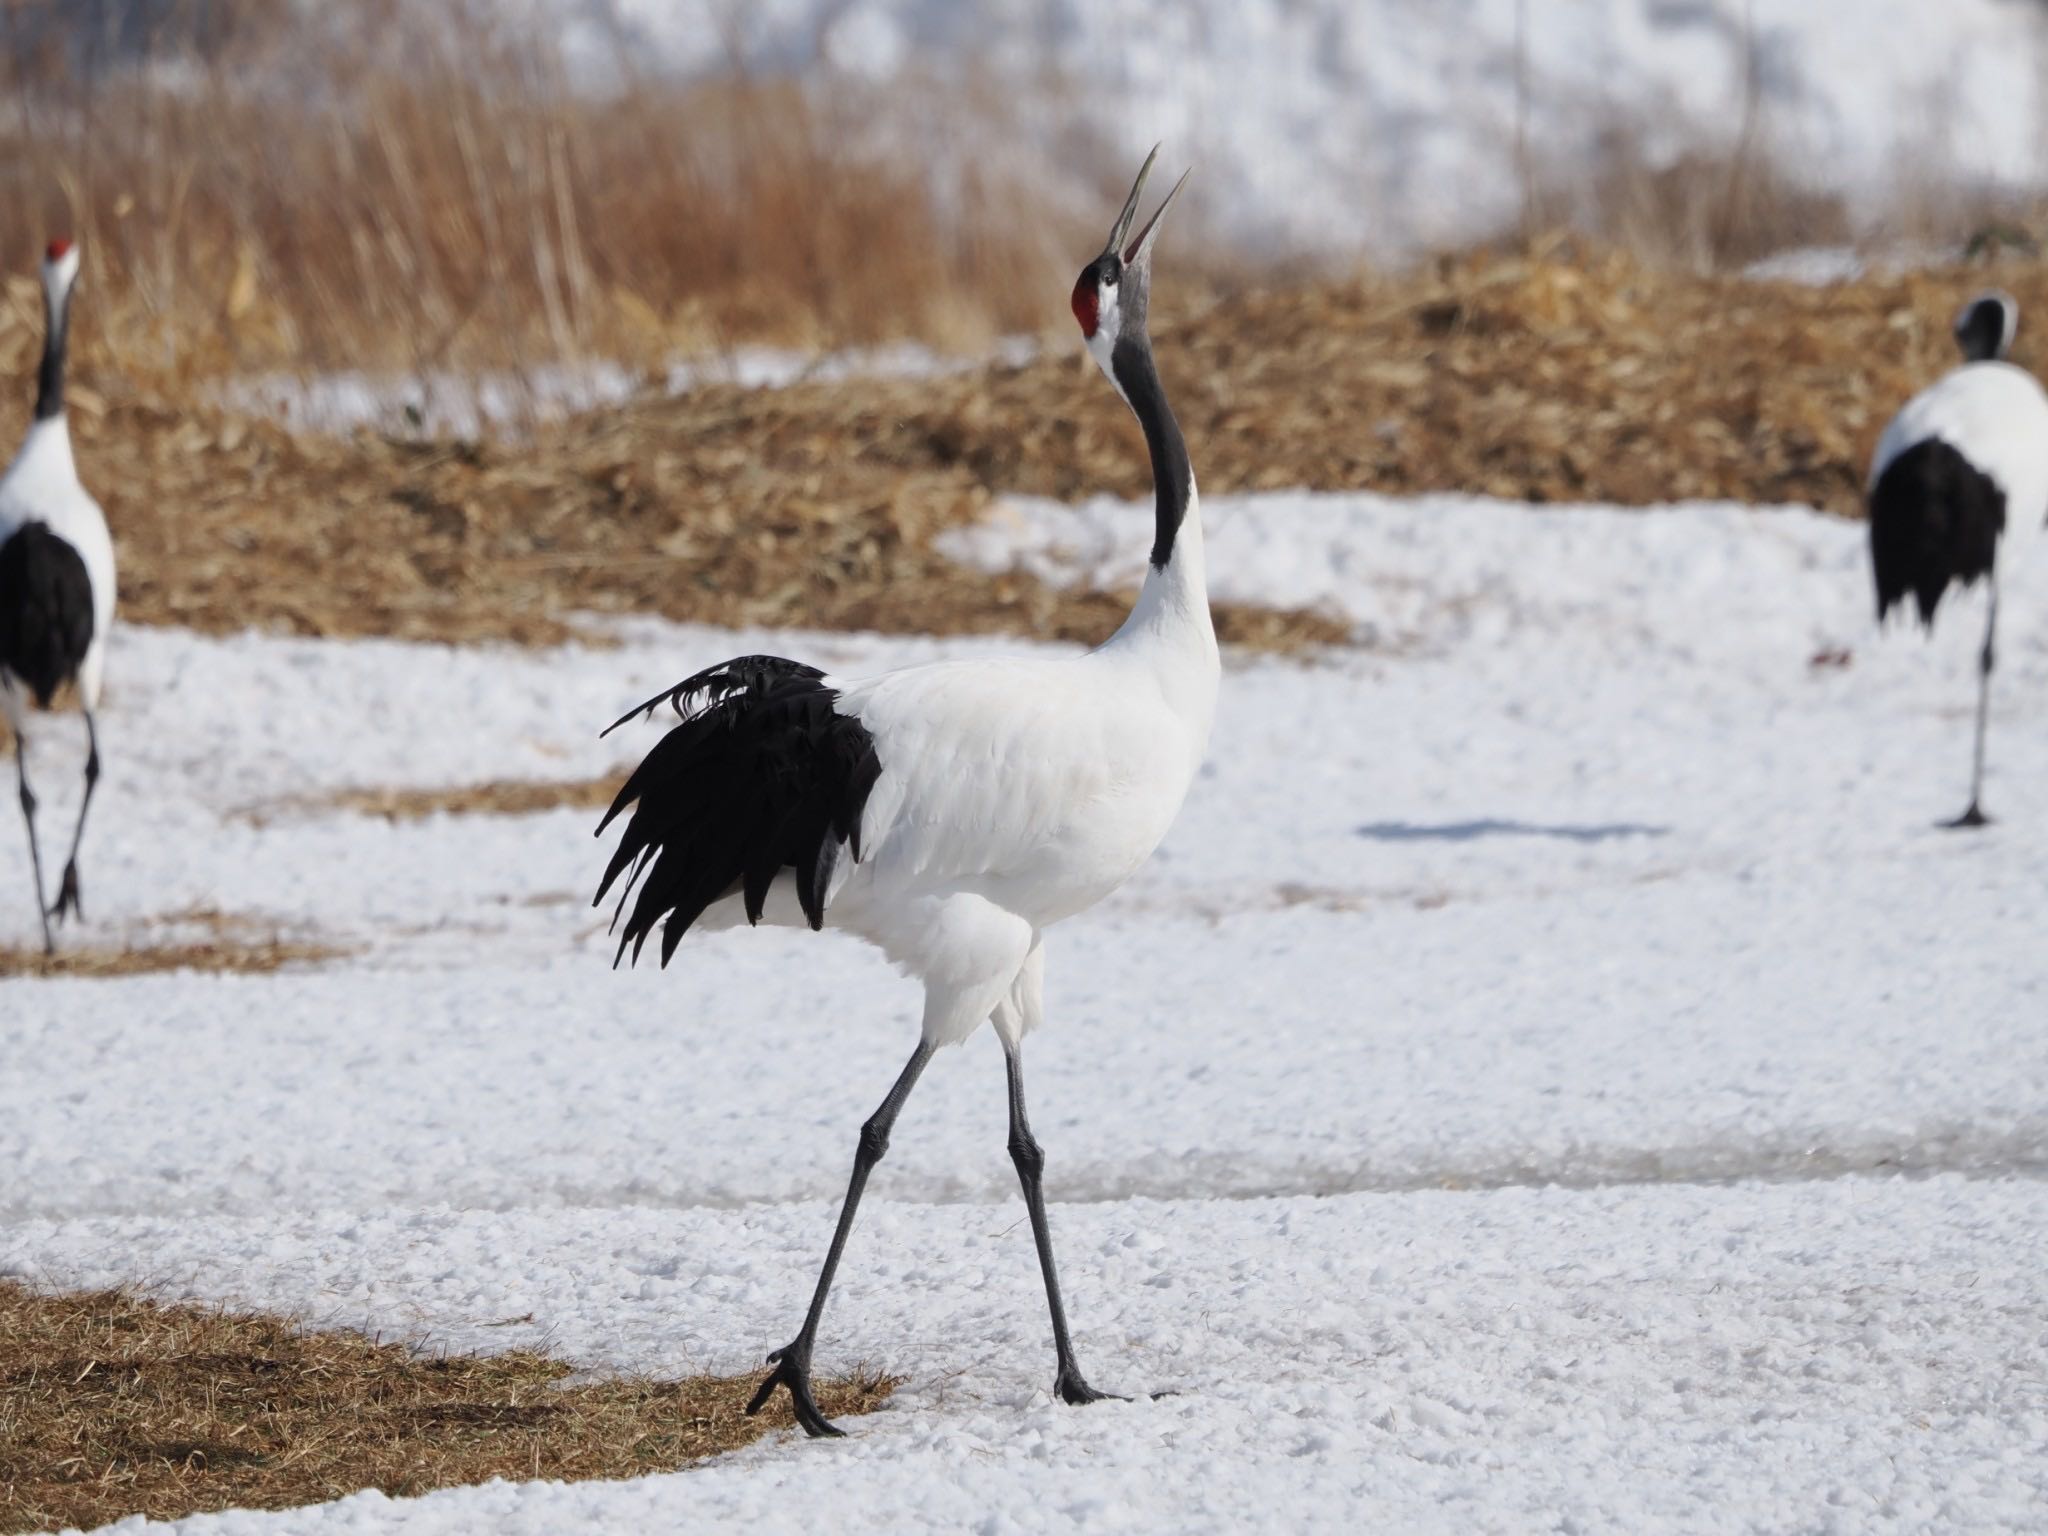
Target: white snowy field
{"points": [[1554, 1077]]}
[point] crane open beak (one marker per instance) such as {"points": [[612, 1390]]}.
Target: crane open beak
{"points": [[1130, 255]]}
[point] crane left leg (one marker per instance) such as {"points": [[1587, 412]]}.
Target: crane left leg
{"points": [[67, 893], [1021, 1012], [1974, 816], [1029, 1157]]}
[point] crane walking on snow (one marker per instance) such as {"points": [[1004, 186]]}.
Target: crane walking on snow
{"points": [[56, 580], [1959, 478], [949, 813]]}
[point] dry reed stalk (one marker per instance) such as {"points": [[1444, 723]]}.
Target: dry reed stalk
{"points": [[421, 185]]}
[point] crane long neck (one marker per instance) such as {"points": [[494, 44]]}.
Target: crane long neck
{"points": [[1173, 477], [1170, 623], [50, 377]]}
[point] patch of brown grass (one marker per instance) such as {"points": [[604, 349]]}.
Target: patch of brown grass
{"points": [[497, 797], [202, 939], [113, 1406], [813, 506], [234, 957]]}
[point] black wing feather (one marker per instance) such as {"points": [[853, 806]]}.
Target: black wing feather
{"points": [[760, 774], [1935, 518], [45, 610]]}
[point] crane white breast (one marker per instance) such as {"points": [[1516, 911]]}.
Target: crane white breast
{"points": [[42, 486], [1039, 785]]}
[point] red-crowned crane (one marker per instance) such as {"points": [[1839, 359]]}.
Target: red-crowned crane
{"points": [[1958, 483], [948, 814], [56, 580]]}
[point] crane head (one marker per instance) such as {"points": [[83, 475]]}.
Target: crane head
{"points": [[1110, 294], [1986, 326], [60, 267]]}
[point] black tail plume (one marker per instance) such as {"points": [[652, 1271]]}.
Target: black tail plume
{"points": [[759, 775]]}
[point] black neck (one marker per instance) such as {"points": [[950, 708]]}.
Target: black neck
{"points": [[1981, 332], [1172, 476], [50, 378]]}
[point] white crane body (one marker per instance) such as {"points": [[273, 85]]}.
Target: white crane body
{"points": [[1958, 490], [948, 813], [56, 580]]}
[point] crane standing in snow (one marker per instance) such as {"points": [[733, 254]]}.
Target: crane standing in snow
{"points": [[948, 814], [1959, 478], [56, 579]]}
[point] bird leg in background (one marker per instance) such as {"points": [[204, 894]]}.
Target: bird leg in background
{"points": [[1030, 1160], [1974, 816], [792, 1362], [67, 894], [35, 855]]}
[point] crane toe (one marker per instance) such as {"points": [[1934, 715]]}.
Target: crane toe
{"points": [[67, 896], [793, 1370], [1073, 1389]]}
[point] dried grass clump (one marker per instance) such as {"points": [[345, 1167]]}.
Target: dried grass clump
{"points": [[113, 1406], [203, 939], [726, 506], [212, 956], [496, 797]]}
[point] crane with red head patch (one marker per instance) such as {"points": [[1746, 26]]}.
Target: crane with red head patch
{"points": [[56, 577], [947, 813]]}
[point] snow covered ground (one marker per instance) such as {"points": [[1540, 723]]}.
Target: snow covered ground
{"points": [[1554, 1077], [1334, 127]]}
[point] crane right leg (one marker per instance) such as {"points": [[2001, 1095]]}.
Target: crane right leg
{"points": [[35, 854]]}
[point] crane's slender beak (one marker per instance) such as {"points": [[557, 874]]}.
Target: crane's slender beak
{"points": [[1124, 220], [1142, 246], [1130, 254]]}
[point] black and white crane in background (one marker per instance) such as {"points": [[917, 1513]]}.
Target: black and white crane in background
{"points": [[1959, 485], [948, 814], [56, 580]]}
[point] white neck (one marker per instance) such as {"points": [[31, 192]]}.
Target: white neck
{"points": [[1174, 601], [1169, 634], [44, 461]]}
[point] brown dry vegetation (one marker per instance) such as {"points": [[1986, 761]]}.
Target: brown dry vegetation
{"points": [[496, 797], [198, 938], [112, 1406], [215, 956], [191, 939], [1565, 374]]}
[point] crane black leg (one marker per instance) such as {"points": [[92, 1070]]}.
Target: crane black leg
{"points": [[35, 855], [67, 893], [1974, 816], [792, 1362], [1030, 1160]]}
